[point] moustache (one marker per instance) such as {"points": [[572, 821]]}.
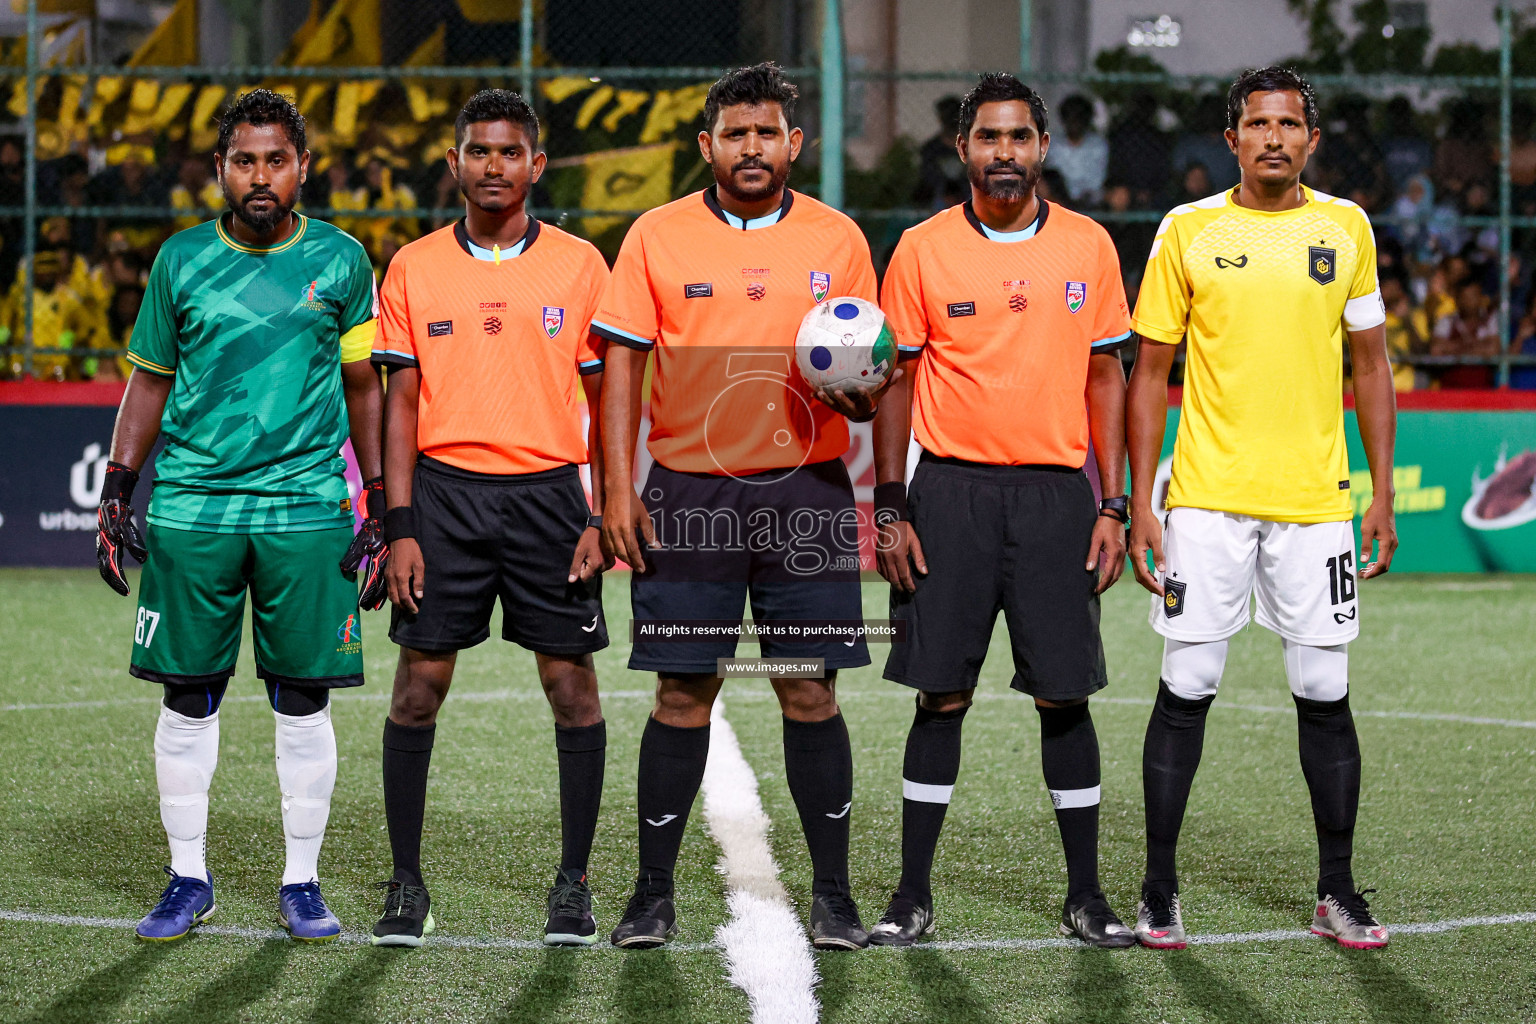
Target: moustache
{"points": [[1001, 166], [259, 193], [751, 163]]}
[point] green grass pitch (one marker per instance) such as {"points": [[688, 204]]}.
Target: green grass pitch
{"points": [[1446, 832]]}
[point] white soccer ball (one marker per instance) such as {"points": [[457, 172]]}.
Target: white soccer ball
{"points": [[844, 344]]}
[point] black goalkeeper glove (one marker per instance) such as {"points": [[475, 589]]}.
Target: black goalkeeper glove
{"points": [[370, 544], [115, 528]]}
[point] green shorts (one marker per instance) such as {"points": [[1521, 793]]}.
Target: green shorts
{"points": [[303, 607]]}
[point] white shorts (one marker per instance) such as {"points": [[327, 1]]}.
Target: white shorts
{"points": [[1303, 574]]}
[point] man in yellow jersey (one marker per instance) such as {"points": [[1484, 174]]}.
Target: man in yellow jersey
{"points": [[1265, 282]]}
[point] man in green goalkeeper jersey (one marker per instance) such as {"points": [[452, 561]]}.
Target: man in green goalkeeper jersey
{"points": [[251, 357]]}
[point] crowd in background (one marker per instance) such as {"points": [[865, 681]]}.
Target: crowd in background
{"points": [[1423, 175]]}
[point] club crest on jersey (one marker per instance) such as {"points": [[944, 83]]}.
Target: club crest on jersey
{"points": [[1077, 294], [554, 319], [820, 285], [311, 297], [1322, 264], [350, 634]]}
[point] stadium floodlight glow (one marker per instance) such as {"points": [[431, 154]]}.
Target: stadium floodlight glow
{"points": [[1159, 32]]}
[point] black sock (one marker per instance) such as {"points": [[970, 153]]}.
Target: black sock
{"points": [[407, 754], [1069, 755], [1169, 757], [818, 765], [1330, 760], [672, 762], [928, 777], [580, 751]]}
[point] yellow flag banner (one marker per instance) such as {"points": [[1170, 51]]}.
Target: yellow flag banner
{"points": [[671, 109], [174, 40], [636, 178], [349, 35]]}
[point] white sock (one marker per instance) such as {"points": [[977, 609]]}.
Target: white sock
{"points": [[186, 753], [306, 774]]}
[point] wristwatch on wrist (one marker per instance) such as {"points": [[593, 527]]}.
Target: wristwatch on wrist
{"points": [[1116, 508]]}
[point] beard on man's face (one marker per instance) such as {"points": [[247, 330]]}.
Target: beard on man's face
{"points": [[777, 178], [992, 183], [262, 222]]}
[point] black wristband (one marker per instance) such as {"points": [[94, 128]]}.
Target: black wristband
{"points": [[399, 523], [594, 522], [891, 503], [1119, 517], [118, 483]]}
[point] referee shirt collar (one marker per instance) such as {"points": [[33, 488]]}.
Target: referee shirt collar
{"points": [[522, 245], [1008, 236], [712, 200]]}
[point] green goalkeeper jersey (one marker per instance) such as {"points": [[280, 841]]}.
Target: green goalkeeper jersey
{"points": [[254, 339]]}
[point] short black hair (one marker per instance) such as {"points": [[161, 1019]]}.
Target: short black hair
{"points": [[259, 107], [760, 83], [1000, 87], [497, 105], [1271, 79]]}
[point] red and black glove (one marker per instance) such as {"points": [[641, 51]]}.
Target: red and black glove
{"points": [[370, 544], [115, 528]]}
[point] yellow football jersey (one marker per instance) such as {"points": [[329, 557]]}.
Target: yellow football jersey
{"points": [[1264, 299]]}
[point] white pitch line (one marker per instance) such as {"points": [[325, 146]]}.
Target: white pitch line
{"points": [[1416, 716], [1235, 938], [342, 696], [235, 931], [765, 948], [488, 696], [957, 945]]}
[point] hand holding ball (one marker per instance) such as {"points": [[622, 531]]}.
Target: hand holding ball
{"points": [[845, 349]]}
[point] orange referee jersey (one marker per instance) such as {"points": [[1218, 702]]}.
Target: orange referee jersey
{"points": [[1004, 324], [721, 300], [500, 346]]}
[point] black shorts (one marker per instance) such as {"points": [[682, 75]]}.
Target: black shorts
{"points": [[1001, 538], [485, 537], [788, 539]]}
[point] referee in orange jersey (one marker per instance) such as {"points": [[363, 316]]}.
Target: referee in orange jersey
{"points": [[1011, 310], [484, 333], [748, 496]]}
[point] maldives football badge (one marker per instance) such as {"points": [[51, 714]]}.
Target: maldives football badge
{"points": [[820, 285], [554, 319], [1077, 294]]}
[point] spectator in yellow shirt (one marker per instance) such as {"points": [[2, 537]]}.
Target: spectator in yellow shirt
{"points": [[59, 321], [1408, 330]]}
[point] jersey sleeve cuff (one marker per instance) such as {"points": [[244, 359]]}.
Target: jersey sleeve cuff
{"points": [[908, 352], [1111, 344], [398, 360], [155, 368], [590, 366], [623, 337], [357, 343], [1156, 333]]}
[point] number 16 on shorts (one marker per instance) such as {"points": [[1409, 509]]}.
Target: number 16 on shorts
{"points": [[144, 628]]}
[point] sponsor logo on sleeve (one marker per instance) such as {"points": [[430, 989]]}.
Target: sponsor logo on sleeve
{"points": [[439, 329], [962, 309], [702, 290]]}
